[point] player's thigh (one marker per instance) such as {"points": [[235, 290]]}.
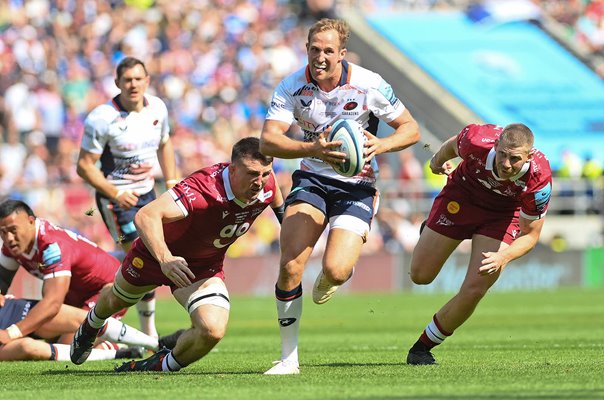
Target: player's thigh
{"points": [[123, 294], [430, 254], [208, 304], [474, 283], [301, 229], [66, 321]]}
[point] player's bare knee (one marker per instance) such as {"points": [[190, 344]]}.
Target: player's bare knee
{"points": [[291, 271], [30, 349], [420, 277], [337, 276]]}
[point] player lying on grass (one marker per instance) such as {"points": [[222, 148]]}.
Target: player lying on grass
{"points": [[73, 269], [184, 236], [498, 197], [66, 322]]}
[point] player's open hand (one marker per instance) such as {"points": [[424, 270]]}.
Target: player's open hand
{"points": [[492, 263], [328, 151], [177, 270]]}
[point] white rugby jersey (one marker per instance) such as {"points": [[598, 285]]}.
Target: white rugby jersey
{"points": [[127, 139], [362, 95]]}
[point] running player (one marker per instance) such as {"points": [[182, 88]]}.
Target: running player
{"points": [[498, 197], [129, 135], [314, 97]]}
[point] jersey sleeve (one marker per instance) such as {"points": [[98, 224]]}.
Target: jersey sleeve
{"points": [[535, 200], [95, 133], [55, 262], [383, 102], [282, 105], [188, 196]]}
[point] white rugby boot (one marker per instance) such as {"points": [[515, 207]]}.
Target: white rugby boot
{"points": [[284, 367], [323, 289]]}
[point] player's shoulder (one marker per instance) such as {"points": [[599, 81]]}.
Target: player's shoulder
{"points": [[103, 113], [295, 81], [155, 102], [208, 178], [478, 134], [364, 78], [540, 167]]}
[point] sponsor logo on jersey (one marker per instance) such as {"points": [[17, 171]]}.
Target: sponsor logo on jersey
{"points": [[286, 321], [306, 104], [224, 214], [453, 207], [351, 105], [138, 262], [51, 254]]}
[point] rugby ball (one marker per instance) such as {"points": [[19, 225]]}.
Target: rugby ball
{"points": [[350, 133]]}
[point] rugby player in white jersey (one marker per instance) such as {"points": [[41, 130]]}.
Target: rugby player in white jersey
{"points": [[314, 97], [129, 135]]}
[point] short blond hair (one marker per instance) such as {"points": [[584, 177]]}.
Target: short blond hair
{"points": [[327, 24], [517, 135]]}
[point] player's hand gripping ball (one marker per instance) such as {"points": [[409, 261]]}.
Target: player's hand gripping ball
{"points": [[350, 133]]}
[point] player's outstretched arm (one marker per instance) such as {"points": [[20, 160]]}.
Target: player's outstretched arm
{"points": [[54, 291], [530, 230]]}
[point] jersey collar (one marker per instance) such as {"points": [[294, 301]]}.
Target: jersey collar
{"points": [[490, 166], [118, 105], [344, 78], [229, 190]]}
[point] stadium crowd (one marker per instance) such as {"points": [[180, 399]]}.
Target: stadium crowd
{"points": [[214, 63]]}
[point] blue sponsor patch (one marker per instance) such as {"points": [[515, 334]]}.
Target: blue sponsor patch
{"points": [[51, 255], [542, 196], [386, 90]]}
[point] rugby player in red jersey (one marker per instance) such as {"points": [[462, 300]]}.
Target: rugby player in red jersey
{"points": [[73, 269], [184, 236], [498, 197]]}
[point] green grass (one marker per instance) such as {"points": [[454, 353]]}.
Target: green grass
{"points": [[544, 345]]}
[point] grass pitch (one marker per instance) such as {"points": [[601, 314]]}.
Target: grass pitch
{"points": [[546, 345]]}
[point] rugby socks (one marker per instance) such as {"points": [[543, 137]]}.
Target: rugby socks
{"points": [[60, 352], [117, 331], [146, 314], [94, 320], [434, 334], [170, 364], [289, 312]]}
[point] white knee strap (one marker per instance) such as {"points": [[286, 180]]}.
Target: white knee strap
{"points": [[215, 294], [129, 298]]}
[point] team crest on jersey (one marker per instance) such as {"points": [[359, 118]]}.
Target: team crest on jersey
{"points": [[351, 105]]}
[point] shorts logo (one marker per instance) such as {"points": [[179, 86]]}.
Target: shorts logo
{"points": [[444, 221], [453, 207], [137, 262]]}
